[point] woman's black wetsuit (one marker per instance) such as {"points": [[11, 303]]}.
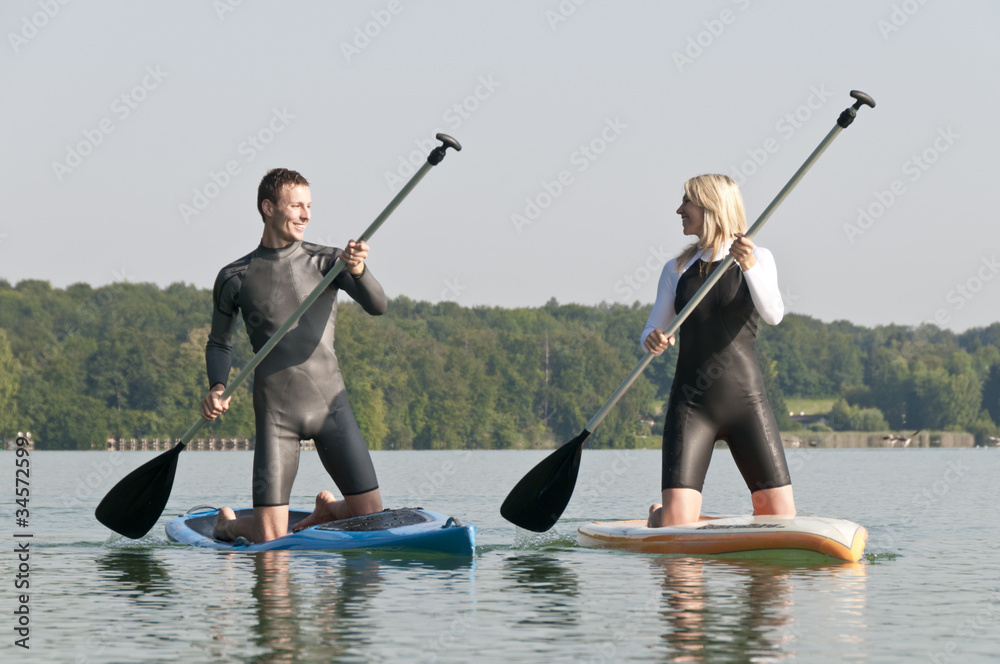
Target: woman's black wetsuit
{"points": [[718, 392]]}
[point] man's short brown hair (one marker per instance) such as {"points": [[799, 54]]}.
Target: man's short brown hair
{"points": [[272, 184]]}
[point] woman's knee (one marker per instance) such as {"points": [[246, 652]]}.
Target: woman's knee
{"points": [[776, 502]]}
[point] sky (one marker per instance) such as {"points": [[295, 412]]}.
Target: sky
{"points": [[135, 134]]}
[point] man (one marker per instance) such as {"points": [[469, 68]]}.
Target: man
{"points": [[298, 392]]}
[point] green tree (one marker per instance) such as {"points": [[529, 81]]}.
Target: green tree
{"points": [[983, 428], [55, 400], [844, 417], [772, 388], [943, 400], [10, 381], [891, 387], [991, 393]]}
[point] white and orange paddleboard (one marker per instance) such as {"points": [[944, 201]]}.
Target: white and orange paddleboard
{"points": [[743, 536]]}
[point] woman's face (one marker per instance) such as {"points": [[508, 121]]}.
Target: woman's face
{"points": [[692, 217]]}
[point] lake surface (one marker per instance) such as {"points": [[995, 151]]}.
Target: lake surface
{"points": [[928, 590]]}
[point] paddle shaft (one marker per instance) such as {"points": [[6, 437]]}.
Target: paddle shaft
{"points": [[845, 119], [338, 267]]}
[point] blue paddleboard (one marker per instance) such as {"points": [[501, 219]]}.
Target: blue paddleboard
{"points": [[406, 528]]}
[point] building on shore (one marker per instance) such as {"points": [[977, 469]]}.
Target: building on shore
{"points": [[862, 439], [10, 444], [206, 444]]}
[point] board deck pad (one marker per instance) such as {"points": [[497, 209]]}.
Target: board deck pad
{"points": [[406, 516]]}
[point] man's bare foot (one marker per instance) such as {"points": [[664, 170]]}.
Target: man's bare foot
{"points": [[223, 521], [654, 520], [328, 508]]}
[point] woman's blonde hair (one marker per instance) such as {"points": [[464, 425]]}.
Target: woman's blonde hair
{"points": [[720, 197]]}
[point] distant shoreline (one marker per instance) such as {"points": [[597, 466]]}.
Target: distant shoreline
{"points": [[793, 440]]}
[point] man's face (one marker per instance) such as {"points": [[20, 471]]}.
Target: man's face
{"points": [[286, 220]]}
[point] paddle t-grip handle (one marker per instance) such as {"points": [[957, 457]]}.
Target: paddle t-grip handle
{"points": [[437, 154], [862, 99]]}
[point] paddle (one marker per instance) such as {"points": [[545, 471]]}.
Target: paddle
{"points": [[538, 500], [133, 505]]}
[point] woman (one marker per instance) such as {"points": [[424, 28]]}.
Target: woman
{"points": [[718, 392]]}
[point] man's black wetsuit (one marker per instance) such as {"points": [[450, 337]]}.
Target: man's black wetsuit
{"points": [[298, 392], [718, 392]]}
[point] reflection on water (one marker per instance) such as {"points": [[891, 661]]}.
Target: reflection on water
{"points": [[138, 573], [742, 610], [554, 590], [321, 607], [334, 605], [281, 607], [275, 606], [132, 595], [277, 631]]}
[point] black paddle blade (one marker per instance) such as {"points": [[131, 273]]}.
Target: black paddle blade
{"points": [[133, 505], [538, 500]]}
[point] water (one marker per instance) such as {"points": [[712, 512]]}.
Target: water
{"points": [[928, 590]]}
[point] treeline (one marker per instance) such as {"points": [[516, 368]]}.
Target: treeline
{"points": [[80, 364]]}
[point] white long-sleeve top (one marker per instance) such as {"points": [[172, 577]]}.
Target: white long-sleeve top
{"points": [[762, 279]]}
